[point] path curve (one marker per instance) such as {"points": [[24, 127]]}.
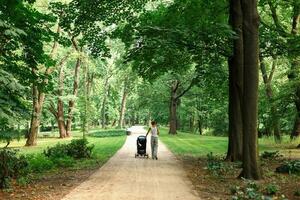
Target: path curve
{"points": [[124, 177]]}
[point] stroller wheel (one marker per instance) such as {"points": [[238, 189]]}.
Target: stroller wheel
{"points": [[135, 155]]}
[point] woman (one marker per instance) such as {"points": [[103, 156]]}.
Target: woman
{"points": [[154, 139]]}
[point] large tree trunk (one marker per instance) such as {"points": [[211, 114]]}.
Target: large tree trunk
{"points": [[123, 105], [37, 103], [173, 108], [251, 168], [72, 101], [269, 92], [235, 63], [294, 75]]}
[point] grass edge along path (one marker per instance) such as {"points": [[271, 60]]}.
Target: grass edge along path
{"points": [[195, 145]]}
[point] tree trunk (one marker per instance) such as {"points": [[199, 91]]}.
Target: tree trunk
{"points": [[294, 75], [60, 105], [269, 92], [37, 101], [103, 108], [72, 101], [173, 108], [123, 105], [235, 63], [251, 168], [60, 119], [200, 125]]}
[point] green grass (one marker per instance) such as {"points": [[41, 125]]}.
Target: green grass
{"points": [[187, 144], [104, 147]]}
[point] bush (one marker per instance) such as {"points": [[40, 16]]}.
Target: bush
{"points": [[297, 193], [291, 167], [40, 163], [76, 149], [57, 151], [80, 149], [65, 161], [272, 189], [12, 166]]}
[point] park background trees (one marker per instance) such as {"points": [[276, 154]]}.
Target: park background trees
{"points": [[190, 65]]}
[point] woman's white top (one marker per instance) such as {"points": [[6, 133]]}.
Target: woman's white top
{"points": [[154, 131]]}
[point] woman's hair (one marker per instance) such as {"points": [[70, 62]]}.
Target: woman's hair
{"points": [[153, 123]]}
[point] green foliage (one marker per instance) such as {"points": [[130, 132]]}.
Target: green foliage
{"points": [[216, 165], [297, 193], [76, 149], [79, 149], [8, 135], [57, 151], [250, 191], [64, 162], [290, 167], [23, 181], [108, 133], [272, 189], [40, 163], [12, 166]]}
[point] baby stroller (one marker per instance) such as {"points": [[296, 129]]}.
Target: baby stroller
{"points": [[141, 144]]}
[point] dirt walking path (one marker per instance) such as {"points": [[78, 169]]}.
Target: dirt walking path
{"points": [[126, 177]]}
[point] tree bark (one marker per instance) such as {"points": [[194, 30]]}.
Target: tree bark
{"points": [[269, 92], [103, 107], [235, 64], [123, 105], [251, 168], [72, 101], [37, 102], [173, 108], [294, 75]]}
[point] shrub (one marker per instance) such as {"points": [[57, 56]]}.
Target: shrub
{"points": [[57, 151], [80, 149], [76, 149], [272, 189], [297, 193], [12, 166], [291, 167], [40, 163], [65, 161]]}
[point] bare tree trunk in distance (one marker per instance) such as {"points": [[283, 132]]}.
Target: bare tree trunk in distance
{"points": [[173, 108], [294, 75], [72, 101], [269, 92], [123, 105], [103, 107]]}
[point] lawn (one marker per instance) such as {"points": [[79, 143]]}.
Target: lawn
{"points": [[187, 144], [104, 147]]}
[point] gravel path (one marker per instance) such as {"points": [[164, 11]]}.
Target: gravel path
{"points": [[129, 178]]}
